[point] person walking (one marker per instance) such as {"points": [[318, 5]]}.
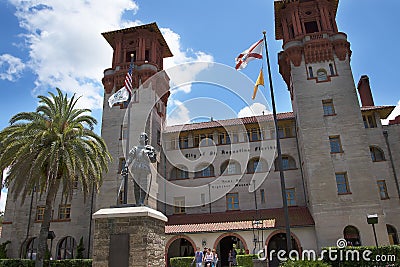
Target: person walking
{"points": [[198, 258], [208, 258], [215, 258]]}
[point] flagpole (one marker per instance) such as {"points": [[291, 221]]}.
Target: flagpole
{"points": [[126, 180], [278, 147]]}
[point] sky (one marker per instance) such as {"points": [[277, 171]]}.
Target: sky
{"points": [[52, 43]]}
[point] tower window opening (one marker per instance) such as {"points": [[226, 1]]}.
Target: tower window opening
{"points": [[128, 56], [311, 27], [332, 70], [147, 55], [310, 72], [291, 32]]}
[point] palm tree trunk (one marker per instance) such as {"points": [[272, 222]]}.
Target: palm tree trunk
{"points": [[44, 228]]}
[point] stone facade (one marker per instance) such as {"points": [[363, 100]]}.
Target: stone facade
{"points": [[145, 228]]}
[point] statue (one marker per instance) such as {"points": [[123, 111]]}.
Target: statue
{"points": [[140, 156]]}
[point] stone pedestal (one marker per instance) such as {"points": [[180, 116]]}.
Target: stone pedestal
{"points": [[129, 237]]}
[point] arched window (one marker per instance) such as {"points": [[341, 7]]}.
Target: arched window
{"points": [[31, 248], [205, 171], [322, 75], [392, 233], [376, 154], [256, 165], [310, 72], [179, 173], [230, 167], [288, 163], [352, 236], [66, 248]]}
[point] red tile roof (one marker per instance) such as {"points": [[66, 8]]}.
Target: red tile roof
{"points": [[384, 111], [236, 220], [228, 122]]}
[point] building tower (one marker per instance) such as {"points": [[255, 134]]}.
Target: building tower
{"points": [[334, 143], [149, 48]]}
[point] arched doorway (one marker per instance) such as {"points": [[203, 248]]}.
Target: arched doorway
{"points": [[277, 242], [229, 243], [352, 235], [29, 248], [180, 247], [392, 233], [66, 248]]}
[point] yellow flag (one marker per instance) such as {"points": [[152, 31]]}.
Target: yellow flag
{"points": [[260, 81]]}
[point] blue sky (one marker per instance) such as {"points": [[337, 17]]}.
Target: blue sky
{"points": [[53, 43]]}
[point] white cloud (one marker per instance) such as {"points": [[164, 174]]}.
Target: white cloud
{"points": [[179, 115], [253, 110], [393, 115], [175, 66], [10, 67], [66, 48]]}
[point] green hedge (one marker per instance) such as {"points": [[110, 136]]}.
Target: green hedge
{"points": [[384, 251], [245, 260], [31, 263], [304, 264], [181, 261]]}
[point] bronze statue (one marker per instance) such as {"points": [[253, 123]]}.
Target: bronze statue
{"points": [[140, 156]]}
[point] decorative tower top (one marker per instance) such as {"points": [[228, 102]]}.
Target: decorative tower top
{"points": [[148, 47]]}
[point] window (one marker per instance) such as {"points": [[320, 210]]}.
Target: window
{"points": [[262, 195], [332, 70], [369, 121], [123, 132], [203, 200], [147, 55], [383, 189], [321, 75], [235, 138], [342, 183], [254, 134], [232, 201], [179, 205], [178, 173], [328, 107], [39, 213], [64, 212], [311, 27], [158, 137], [335, 144], [285, 131], [288, 163], [376, 154], [291, 196], [205, 172], [206, 139], [352, 236], [230, 167], [310, 72], [256, 165], [224, 139], [135, 96], [121, 165], [183, 142]]}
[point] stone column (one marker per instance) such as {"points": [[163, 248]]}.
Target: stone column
{"points": [[129, 237]]}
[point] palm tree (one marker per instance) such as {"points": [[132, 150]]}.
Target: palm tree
{"points": [[48, 150]]}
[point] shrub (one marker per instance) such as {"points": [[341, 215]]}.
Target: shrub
{"points": [[304, 264], [80, 249], [31, 263], [181, 261], [245, 260], [3, 249], [381, 252]]}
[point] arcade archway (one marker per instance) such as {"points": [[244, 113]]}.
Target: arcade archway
{"points": [[226, 243], [276, 242], [179, 247]]}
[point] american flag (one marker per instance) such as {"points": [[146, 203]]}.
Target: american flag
{"points": [[128, 78]]}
